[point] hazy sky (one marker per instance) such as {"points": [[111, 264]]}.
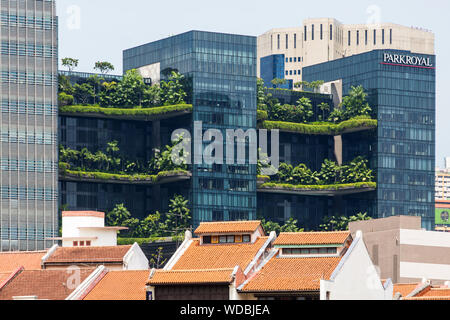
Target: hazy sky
{"points": [[93, 30]]}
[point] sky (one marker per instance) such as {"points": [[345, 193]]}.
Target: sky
{"points": [[99, 30]]}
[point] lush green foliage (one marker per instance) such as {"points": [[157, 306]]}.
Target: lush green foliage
{"points": [[332, 187], [324, 128], [331, 173], [173, 223], [353, 105], [70, 63], [290, 226], [341, 223], [137, 113], [65, 99], [111, 160], [104, 66], [130, 92]]}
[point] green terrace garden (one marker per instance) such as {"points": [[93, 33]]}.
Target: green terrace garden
{"points": [[112, 164], [355, 174], [354, 114], [129, 93]]}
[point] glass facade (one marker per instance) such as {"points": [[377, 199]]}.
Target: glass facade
{"points": [[273, 67], [403, 155], [222, 70], [28, 116]]}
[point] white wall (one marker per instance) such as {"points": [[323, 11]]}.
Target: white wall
{"points": [[356, 279], [135, 259]]}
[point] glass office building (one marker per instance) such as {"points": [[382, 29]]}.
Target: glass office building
{"points": [[401, 88], [222, 71], [28, 146], [273, 67]]}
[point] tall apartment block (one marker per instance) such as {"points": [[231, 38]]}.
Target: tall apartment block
{"points": [[28, 147], [326, 39]]}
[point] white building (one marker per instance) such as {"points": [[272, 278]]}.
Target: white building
{"points": [[87, 228], [326, 39]]}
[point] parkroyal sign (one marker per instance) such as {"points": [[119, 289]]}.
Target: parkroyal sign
{"points": [[407, 61]]}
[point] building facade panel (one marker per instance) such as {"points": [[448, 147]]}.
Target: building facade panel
{"points": [[28, 88]]}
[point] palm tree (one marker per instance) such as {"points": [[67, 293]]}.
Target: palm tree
{"points": [[324, 107]]}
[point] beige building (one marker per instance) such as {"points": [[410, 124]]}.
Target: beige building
{"points": [[403, 251], [325, 39], [443, 181]]}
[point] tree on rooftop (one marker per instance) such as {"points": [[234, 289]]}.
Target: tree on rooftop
{"points": [[84, 93], [178, 217], [324, 107], [277, 82], [70, 63], [172, 91], [355, 103], [104, 67]]}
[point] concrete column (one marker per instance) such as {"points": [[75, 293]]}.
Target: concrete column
{"points": [[338, 149], [156, 135]]}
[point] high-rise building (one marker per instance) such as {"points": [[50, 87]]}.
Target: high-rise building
{"points": [[401, 87], [28, 149], [442, 180], [222, 71], [326, 39]]}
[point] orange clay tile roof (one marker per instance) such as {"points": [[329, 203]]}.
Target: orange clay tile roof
{"points": [[311, 238], [4, 276], [83, 214], [45, 284], [227, 227], [220, 256], [93, 255], [434, 292], [10, 261], [292, 275], [405, 288], [429, 298], [214, 276], [120, 285]]}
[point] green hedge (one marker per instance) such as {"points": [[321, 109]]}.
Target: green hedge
{"points": [[359, 185], [120, 177], [146, 113], [262, 115], [322, 128]]}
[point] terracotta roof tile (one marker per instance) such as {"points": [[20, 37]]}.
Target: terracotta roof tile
{"points": [[227, 227], [218, 256], [214, 276], [292, 275], [311, 238], [45, 284], [429, 298], [10, 261], [405, 288], [83, 214], [435, 292], [121, 285], [93, 255]]}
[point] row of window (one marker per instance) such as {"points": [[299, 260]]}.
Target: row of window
{"points": [[28, 137], [366, 37], [218, 184], [294, 59], [28, 49], [82, 243], [226, 239], [28, 233], [27, 107], [23, 193], [32, 78], [28, 165], [313, 251], [293, 72], [28, 21]]}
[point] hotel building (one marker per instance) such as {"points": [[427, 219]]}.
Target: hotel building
{"points": [[326, 39]]}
